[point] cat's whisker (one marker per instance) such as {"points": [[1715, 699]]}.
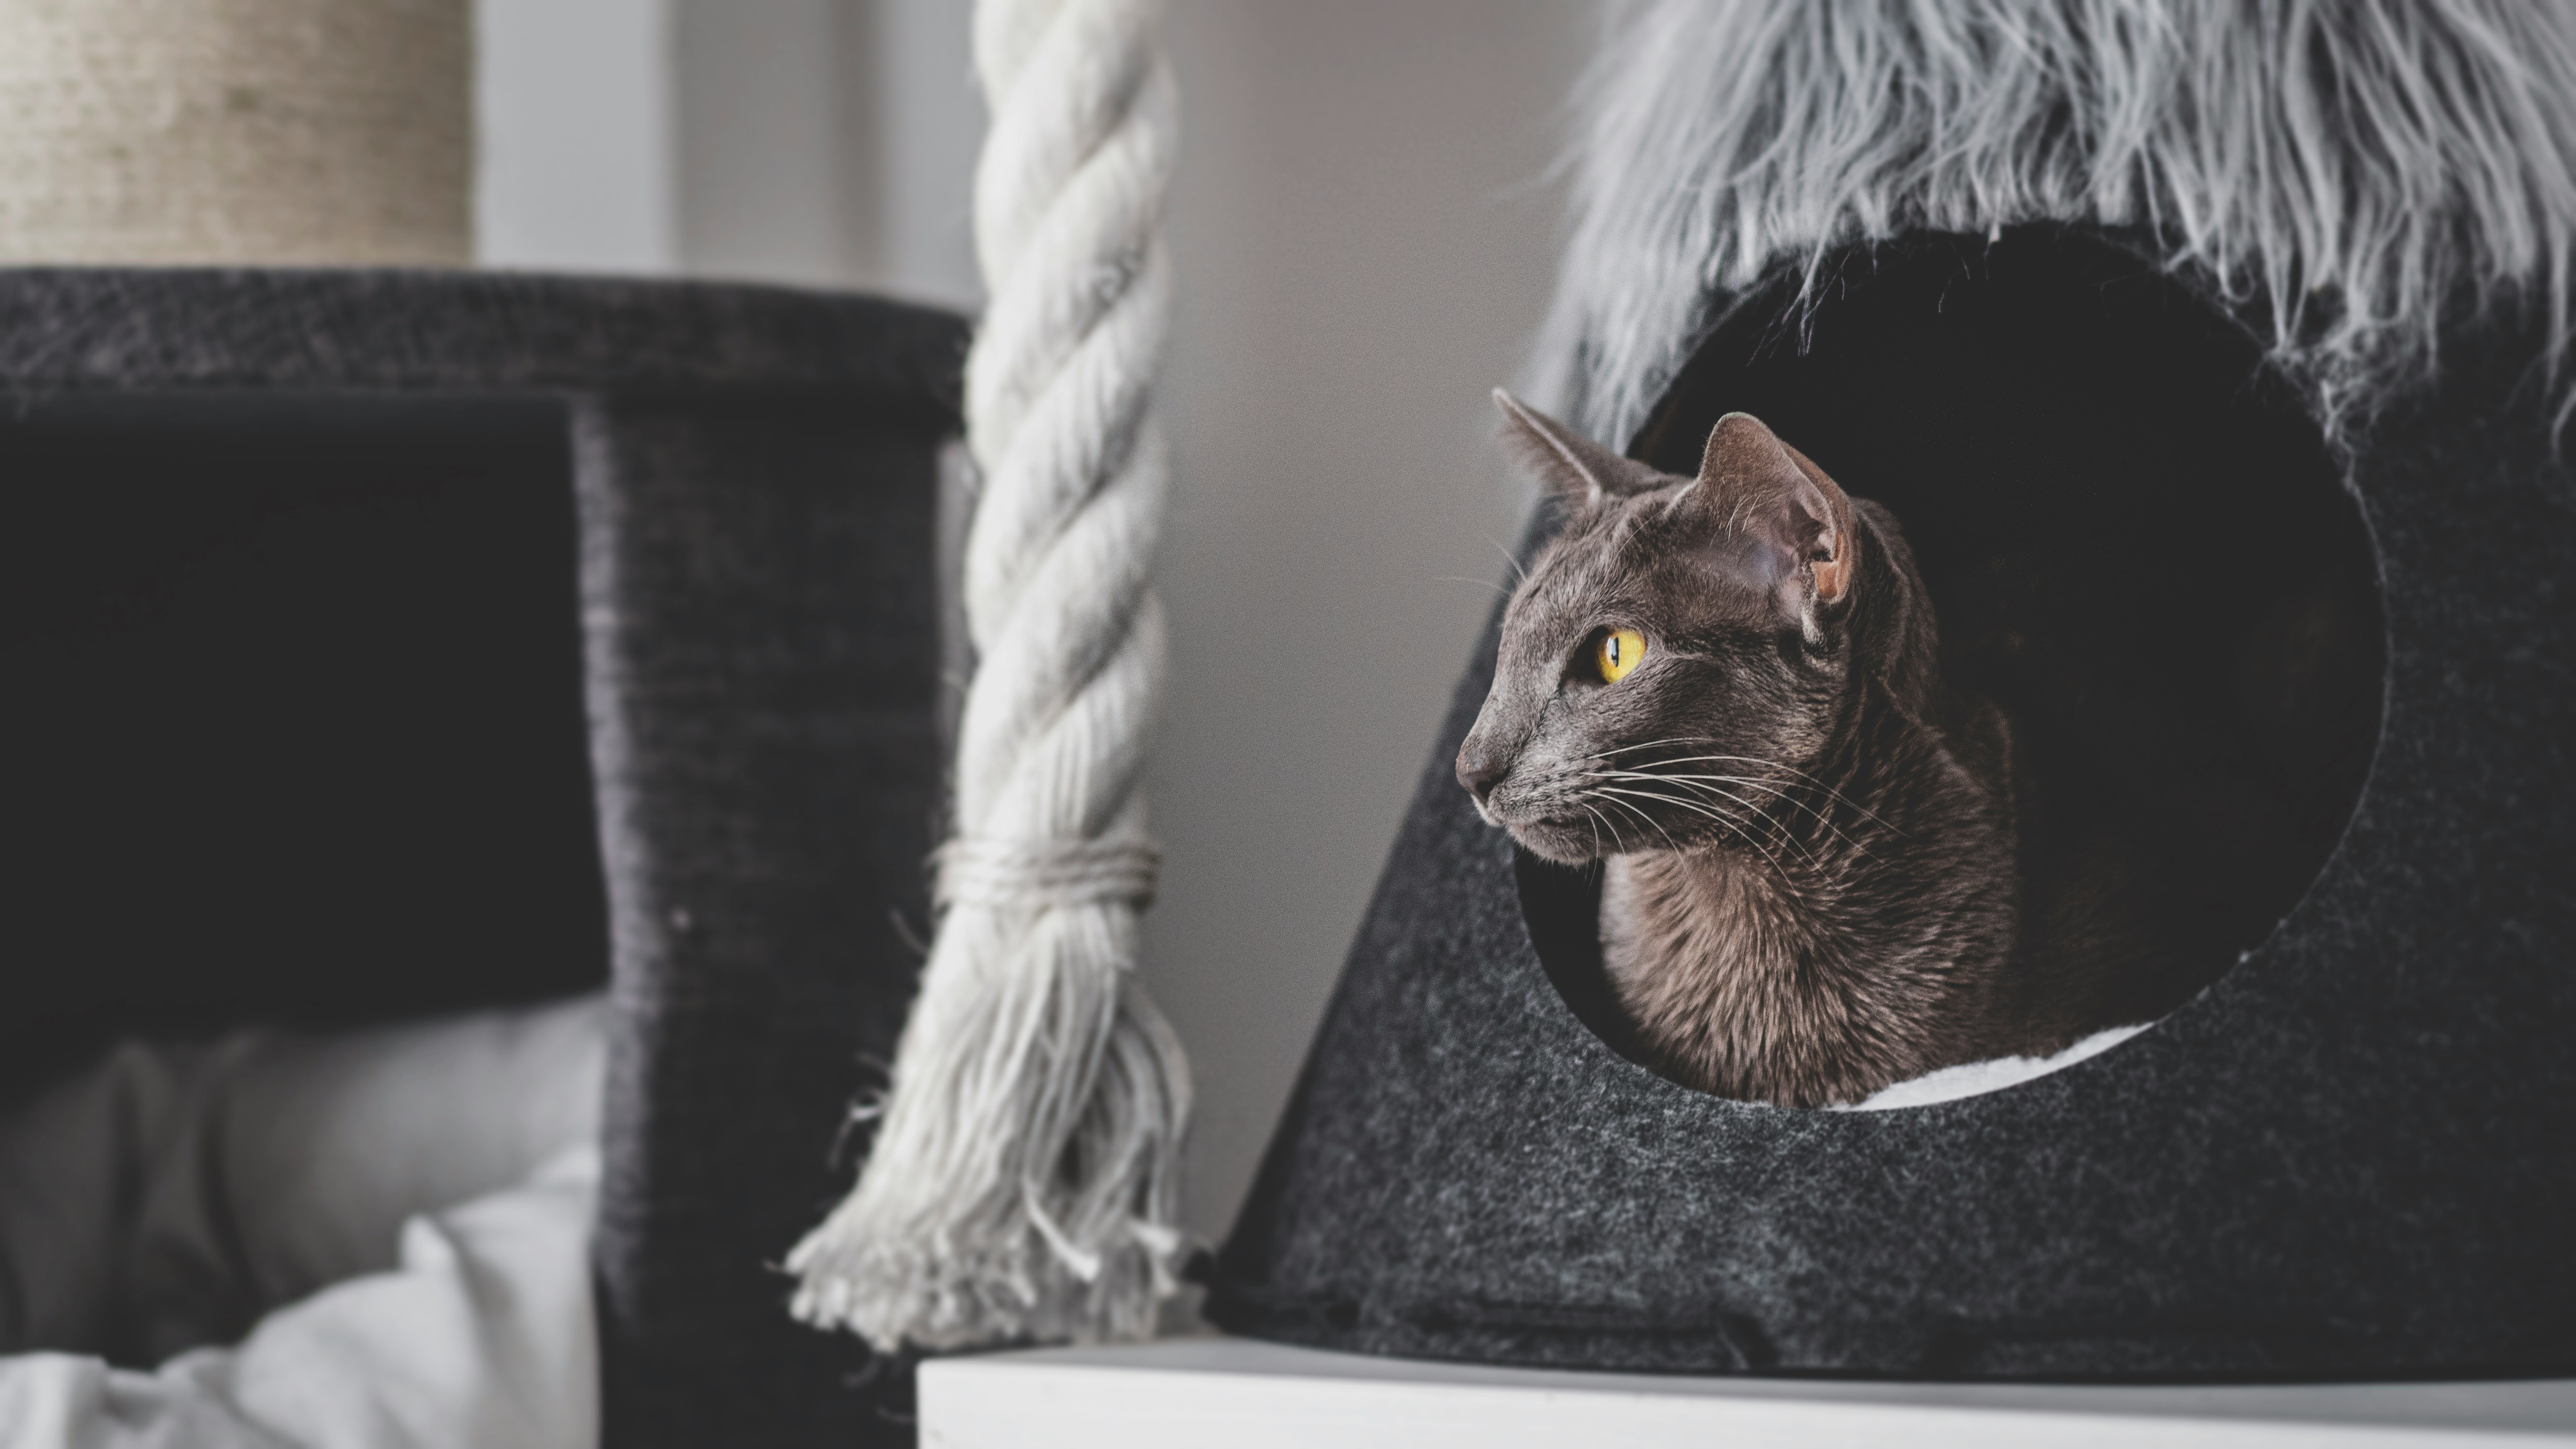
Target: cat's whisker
{"points": [[1806, 776], [1669, 842], [1694, 777], [1479, 583], [1607, 757], [1733, 825], [1519, 573], [1712, 782], [1596, 826], [1750, 837], [1652, 744], [1783, 767], [1600, 822], [1777, 826], [1736, 826], [1687, 740], [1615, 838], [1696, 807], [1667, 740]]}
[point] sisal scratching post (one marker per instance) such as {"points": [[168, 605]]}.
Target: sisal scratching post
{"points": [[1024, 1177], [236, 132]]}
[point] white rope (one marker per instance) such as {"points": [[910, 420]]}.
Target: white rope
{"points": [[1024, 1179]]}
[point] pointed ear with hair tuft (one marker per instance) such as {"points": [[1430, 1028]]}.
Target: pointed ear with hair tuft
{"points": [[1570, 465], [1804, 515]]}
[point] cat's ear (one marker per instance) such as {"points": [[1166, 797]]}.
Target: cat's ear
{"points": [[1802, 513], [1572, 466]]}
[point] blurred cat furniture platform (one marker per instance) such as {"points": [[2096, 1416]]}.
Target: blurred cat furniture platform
{"points": [[1185, 1393], [396, 643]]}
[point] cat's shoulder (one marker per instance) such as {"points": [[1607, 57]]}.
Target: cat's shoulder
{"points": [[1980, 735]]}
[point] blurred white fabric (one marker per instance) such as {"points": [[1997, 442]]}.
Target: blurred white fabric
{"points": [[409, 1208], [1970, 1079]]}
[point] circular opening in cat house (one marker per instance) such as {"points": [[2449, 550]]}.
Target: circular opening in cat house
{"points": [[2138, 547]]}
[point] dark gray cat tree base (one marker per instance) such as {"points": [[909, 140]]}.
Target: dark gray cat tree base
{"points": [[474, 637]]}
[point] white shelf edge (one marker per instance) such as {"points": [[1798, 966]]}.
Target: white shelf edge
{"points": [[1244, 1394]]}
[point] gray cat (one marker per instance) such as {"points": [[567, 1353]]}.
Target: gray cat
{"points": [[1729, 687]]}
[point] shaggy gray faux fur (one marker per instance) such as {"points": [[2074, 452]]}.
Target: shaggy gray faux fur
{"points": [[2361, 170]]}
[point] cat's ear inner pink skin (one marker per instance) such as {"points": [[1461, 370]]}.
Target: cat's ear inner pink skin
{"points": [[1747, 470], [1572, 466]]}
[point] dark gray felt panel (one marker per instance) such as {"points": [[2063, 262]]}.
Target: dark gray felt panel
{"points": [[753, 470], [762, 656], [189, 329]]}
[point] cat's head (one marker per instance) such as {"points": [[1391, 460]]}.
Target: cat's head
{"points": [[1676, 655]]}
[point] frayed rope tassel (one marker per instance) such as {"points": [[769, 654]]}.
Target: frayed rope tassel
{"points": [[1023, 1184], [1024, 1181]]}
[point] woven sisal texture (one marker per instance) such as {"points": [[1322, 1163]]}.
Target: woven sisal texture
{"points": [[266, 132]]}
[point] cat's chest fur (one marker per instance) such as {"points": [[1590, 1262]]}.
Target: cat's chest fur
{"points": [[1736, 989], [1828, 973]]}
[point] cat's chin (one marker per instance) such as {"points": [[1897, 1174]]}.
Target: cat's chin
{"points": [[1561, 843]]}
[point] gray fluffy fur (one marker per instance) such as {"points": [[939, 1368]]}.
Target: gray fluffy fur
{"points": [[2361, 169]]}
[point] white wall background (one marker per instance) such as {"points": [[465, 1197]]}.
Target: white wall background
{"points": [[1364, 238]]}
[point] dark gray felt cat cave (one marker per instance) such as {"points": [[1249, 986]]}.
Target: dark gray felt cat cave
{"points": [[2333, 686]]}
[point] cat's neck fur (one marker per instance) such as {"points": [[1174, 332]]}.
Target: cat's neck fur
{"points": [[1863, 933]]}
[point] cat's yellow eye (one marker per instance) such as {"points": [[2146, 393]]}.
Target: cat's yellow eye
{"points": [[1619, 651]]}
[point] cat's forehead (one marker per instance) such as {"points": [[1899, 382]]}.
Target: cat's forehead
{"points": [[1634, 554]]}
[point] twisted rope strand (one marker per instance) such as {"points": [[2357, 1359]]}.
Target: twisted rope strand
{"points": [[1024, 1179]]}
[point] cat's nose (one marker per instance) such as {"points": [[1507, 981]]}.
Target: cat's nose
{"points": [[1481, 770]]}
